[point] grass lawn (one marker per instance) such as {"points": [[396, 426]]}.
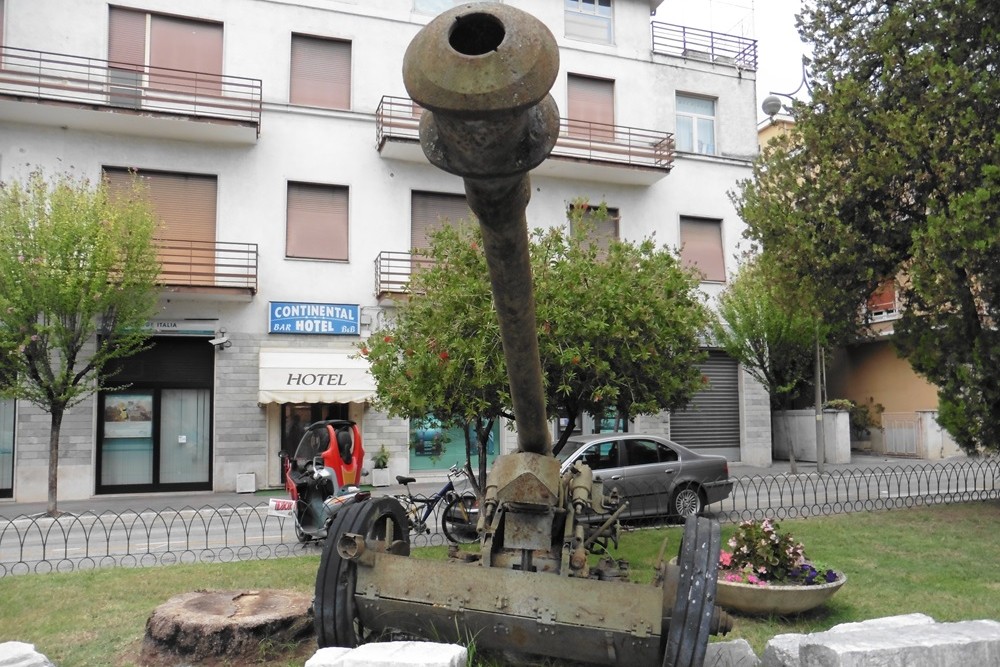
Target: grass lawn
{"points": [[935, 560]]}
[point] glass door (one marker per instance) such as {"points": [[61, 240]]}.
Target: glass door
{"points": [[127, 448], [6, 448], [185, 425]]}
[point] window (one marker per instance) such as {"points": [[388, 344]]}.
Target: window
{"points": [[591, 20], [137, 40], [317, 221], [601, 455], [701, 248], [184, 203], [695, 125], [430, 211], [601, 230], [590, 107], [320, 72]]}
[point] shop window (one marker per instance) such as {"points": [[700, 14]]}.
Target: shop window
{"points": [[590, 20], [695, 125], [701, 248], [320, 72], [317, 222]]}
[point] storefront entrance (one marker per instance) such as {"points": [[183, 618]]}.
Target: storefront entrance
{"points": [[156, 435]]}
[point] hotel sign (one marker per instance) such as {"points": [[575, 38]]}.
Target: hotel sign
{"points": [[332, 319]]}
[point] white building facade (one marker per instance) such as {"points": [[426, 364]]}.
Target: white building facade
{"points": [[279, 149]]}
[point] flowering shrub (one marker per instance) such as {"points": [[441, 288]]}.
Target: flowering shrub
{"points": [[761, 555]]}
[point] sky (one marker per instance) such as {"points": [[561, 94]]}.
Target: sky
{"points": [[770, 22]]}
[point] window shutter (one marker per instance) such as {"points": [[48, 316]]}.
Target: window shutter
{"points": [[127, 37], [320, 72], [184, 44], [701, 248], [317, 224], [591, 102], [712, 418], [603, 232], [432, 210], [184, 203]]}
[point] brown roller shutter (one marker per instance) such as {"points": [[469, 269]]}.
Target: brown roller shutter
{"points": [[320, 72], [183, 44], [127, 38], [701, 248], [317, 224], [184, 203], [431, 210], [592, 101]]}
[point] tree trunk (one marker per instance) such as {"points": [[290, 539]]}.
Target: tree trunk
{"points": [[56, 425]]}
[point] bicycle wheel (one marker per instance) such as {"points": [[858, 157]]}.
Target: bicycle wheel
{"points": [[459, 518]]}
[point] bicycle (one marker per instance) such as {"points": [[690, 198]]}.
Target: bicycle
{"points": [[460, 514]]}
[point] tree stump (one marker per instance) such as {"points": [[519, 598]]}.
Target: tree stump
{"points": [[204, 626]]}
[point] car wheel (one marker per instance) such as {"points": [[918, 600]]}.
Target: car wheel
{"points": [[686, 502]]}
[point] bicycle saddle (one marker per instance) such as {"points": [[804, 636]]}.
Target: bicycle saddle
{"points": [[405, 480]]}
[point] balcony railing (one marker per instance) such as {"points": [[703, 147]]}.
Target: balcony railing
{"points": [[398, 119], [208, 264], [394, 269], [26, 73], [696, 44]]}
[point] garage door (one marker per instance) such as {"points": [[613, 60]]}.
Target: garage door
{"points": [[712, 419]]}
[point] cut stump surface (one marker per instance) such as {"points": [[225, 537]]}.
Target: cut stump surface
{"points": [[204, 626]]}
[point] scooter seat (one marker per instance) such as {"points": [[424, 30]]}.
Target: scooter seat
{"points": [[405, 480]]}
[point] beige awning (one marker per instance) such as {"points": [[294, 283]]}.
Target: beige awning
{"points": [[301, 375]]}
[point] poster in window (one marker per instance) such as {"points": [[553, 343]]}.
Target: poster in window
{"points": [[128, 415]]}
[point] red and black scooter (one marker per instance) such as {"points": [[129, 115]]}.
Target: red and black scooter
{"points": [[321, 476]]}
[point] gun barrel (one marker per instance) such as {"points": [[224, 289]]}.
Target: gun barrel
{"points": [[483, 72]]}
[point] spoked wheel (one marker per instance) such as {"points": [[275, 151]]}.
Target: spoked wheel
{"points": [[336, 619], [686, 502], [689, 626], [459, 519]]}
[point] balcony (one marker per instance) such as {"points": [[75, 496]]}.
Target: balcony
{"points": [[208, 269], [55, 89], [584, 150], [704, 45], [393, 271]]}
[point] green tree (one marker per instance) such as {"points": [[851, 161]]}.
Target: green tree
{"points": [[78, 276], [893, 169], [760, 323], [618, 330]]}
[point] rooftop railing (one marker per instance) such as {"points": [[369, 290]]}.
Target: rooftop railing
{"points": [[213, 264], [398, 119], [697, 44], [26, 73]]}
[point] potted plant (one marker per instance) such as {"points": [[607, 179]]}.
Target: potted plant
{"points": [[766, 572], [380, 461]]}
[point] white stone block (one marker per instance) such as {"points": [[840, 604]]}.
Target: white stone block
{"points": [[735, 653], [782, 651], [921, 645], [20, 654], [887, 623], [398, 654], [328, 657]]}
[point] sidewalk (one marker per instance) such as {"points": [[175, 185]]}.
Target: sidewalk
{"points": [[197, 500]]}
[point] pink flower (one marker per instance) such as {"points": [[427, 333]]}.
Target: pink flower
{"points": [[725, 559], [732, 576]]}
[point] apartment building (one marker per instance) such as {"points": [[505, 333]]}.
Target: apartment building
{"points": [[280, 151]]}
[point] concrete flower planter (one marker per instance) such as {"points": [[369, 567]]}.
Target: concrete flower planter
{"points": [[779, 600]]}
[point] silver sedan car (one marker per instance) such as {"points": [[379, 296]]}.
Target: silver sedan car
{"points": [[657, 477]]}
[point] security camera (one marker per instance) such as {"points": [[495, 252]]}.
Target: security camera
{"points": [[221, 341]]}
